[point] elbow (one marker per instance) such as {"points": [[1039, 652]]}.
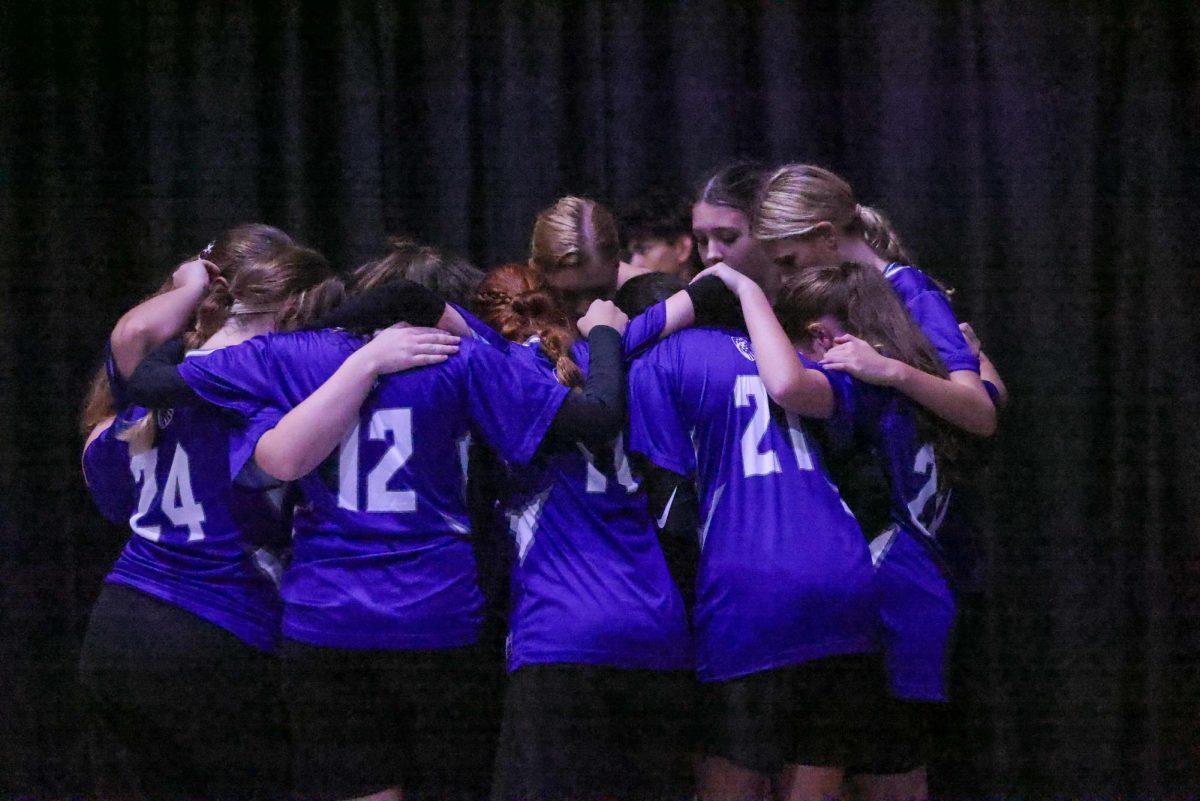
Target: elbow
{"points": [[129, 341], [780, 389], [278, 463], [985, 425]]}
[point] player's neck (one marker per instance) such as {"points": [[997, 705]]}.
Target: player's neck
{"points": [[857, 249], [239, 329]]}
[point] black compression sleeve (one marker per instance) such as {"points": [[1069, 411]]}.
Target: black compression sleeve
{"points": [[595, 415], [155, 383], [715, 306], [675, 507], [384, 305]]}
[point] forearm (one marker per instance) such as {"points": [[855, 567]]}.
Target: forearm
{"points": [[156, 383], [789, 383], [309, 432], [597, 414], [960, 400], [680, 313], [151, 323]]}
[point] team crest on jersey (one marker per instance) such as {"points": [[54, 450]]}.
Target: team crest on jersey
{"points": [[743, 346], [165, 416]]}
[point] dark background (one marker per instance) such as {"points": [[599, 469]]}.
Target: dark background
{"points": [[1041, 158]]}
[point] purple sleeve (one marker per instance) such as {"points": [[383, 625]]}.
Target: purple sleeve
{"points": [[645, 329], [262, 379], [109, 480], [992, 392], [481, 329], [656, 428], [846, 394], [931, 311], [239, 377], [510, 402]]}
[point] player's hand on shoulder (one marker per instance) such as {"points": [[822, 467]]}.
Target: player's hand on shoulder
{"points": [[972, 338], [402, 347], [734, 280], [858, 358], [603, 312]]}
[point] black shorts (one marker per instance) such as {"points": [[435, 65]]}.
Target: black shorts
{"points": [[585, 732], [179, 707], [365, 720], [816, 713], [900, 738]]}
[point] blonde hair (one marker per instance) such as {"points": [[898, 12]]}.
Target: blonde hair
{"points": [[798, 197], [572, 232]]}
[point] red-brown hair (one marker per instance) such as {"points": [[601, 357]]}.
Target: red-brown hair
{"points": [[516, 301]]}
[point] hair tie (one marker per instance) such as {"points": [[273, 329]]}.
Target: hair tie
{"points": [[239, 309], [208, 249]]}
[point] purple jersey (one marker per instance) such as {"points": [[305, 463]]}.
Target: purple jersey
{"points": [[930, 309], [885, 422], [382, 556], [590, 582], [785, 574], [916, 604], [193, 547], [106, 469]]}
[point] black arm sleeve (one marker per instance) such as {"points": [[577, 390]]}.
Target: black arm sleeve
{"points": [[596, 414], [156, 384], [675, 508], [715, 305], [385, 305]]}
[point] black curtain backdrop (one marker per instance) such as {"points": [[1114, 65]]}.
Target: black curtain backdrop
{"points": [[1042, 158]]}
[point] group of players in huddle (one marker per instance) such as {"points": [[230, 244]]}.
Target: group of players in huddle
{"points": [[349, 497]]}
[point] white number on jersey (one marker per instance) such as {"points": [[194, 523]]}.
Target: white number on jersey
{"points": [[597, 482], [397, 423], [178, 502], [754, 461], [926, 462]]}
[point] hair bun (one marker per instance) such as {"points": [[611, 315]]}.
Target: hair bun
{"points": [[533, 303]]}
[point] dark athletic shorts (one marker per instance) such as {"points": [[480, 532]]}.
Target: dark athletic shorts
{"points": [[366, 720], [589, 732], [816, 713], [179, 707]]}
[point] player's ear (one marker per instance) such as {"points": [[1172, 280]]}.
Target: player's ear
{"points": [[823, 234], [820, 335]]}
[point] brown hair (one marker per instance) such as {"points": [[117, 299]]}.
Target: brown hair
{"points": [[245, 244], [296, 286], [234, 248], [798, 197], [450, 277], [572, 232], [516, 301], [865, 304], [98, 402], [736, 186]]}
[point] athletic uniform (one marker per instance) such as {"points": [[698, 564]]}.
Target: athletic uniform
{"points": [[599, 651], [178, 657], [381, 600], [919, 560], [784, 591]]}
